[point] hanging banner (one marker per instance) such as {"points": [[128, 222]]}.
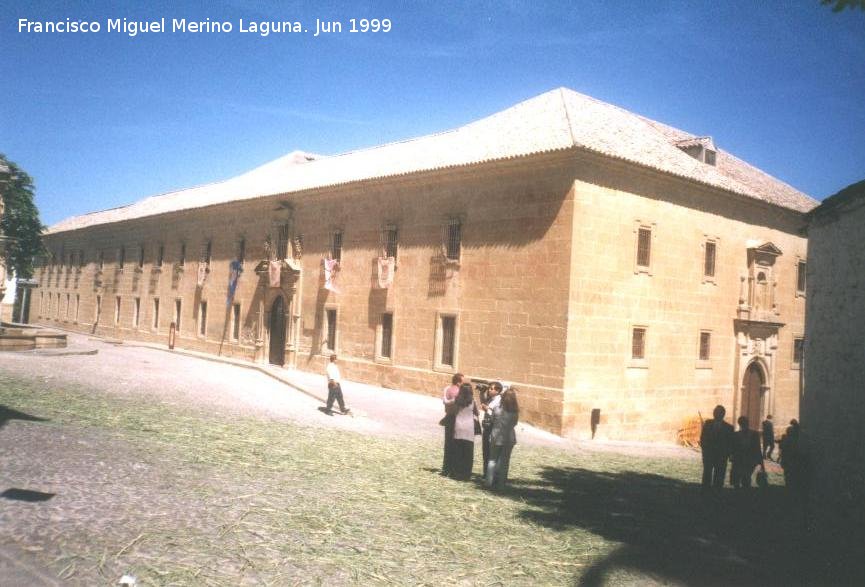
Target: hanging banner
{"points": [[274, 273], [386, 266], [331, 268], [234, 271]]}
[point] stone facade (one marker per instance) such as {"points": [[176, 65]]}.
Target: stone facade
{"points": [[545, 293], [833, 402]]}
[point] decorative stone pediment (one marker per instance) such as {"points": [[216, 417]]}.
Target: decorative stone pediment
{"points": [[757, 291]]}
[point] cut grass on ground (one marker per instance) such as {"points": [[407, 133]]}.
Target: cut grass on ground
{"points": [[224, 501]]}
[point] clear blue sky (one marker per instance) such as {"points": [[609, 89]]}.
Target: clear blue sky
{"points": [[103, 119]]}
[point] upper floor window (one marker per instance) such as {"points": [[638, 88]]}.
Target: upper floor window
{"points": [[100, 260], [638, 343], [705, 346], [801, 268], [644, 247], [140, 256], [160, 254], [453, 239], [336, 245], [709, 259], [181, 260], [206, 252], [241, 251], [798, 352], [388, 240], [282, 242], [121, 257]]}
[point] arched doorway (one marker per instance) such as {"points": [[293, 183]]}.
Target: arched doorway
{"points": [[277, 332], [752, 395]]}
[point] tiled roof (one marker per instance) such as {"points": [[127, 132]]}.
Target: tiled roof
{"points": [[557, 120]]}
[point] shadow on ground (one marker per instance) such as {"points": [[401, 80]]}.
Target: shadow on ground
{"points": [[29, 495], [668, 530], [7, 413]]}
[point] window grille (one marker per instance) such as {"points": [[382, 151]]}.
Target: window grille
{"points": [[638, 343], [798, 350], [386, 335], [336, 245], [202, 318], [178, 306], [241, 251], [453, 239], [709, 261], [800, 276], [298, 246], [235, 324], [282, 242], [449, 327], [388, 241], [705, 345], [330, 343], [206, 251], [644, 246]]}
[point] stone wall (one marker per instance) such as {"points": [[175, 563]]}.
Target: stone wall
{"points": [[651, 399], [833, 403]]}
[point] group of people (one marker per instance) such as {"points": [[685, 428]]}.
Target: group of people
{"points": [[720, 442], [462, 422]]}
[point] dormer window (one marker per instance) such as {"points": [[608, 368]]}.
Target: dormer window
{"points": [[700, 148]]}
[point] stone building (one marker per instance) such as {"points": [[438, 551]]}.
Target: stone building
{"points": [[604, 263], [833, 401]]}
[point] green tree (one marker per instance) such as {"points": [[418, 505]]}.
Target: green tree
{"points": [[20, 220]]}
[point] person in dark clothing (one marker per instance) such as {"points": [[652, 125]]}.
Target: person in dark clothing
{"points": [[746, 454], [716, 442], [793, 460], [449, 396], [768, 437], [489, 401]]}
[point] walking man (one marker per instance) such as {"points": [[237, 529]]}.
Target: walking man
{"points": [[334, 389]]}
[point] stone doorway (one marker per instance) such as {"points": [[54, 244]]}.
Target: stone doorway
{"points": [[753, 388], [277, 332]]}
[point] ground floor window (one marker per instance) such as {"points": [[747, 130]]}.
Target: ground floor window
{"points": [[386, 345], [117, 310], [447, 340], [178, 306], [136, 312], [638, 343], [155, 313], [235, 322], [330, 340], [202, 318]]}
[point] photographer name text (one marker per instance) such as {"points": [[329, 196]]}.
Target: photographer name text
{"points": [[263, 28]]}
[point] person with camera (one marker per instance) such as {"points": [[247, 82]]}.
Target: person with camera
{"points": [[503, 437]]}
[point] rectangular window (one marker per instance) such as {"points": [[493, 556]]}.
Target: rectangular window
{"points": [[389, 241], [117, 310], [155, 313], [297, 243], [453, 239], [330, 342], [282, 242], [798, 351], [705, 345], [68, 298], [181, 261], [644, 247], [241, 251], [638, 343], [81, 258], [709, 260], [140, 256], [101, 260], [57, 309], [336, 245], [178, 306], [77, 306], [801, 267], [386, 335], [98, 310], [449, 330], [121, 257], [206, 250], [202, 318], [235, 322], [160, 255], [136, 312]]}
